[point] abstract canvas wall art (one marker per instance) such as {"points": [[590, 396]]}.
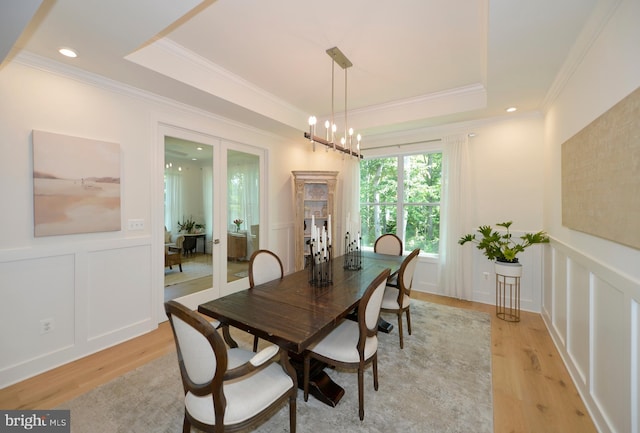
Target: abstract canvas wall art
{"points": [[76, 185], [601, 175]]}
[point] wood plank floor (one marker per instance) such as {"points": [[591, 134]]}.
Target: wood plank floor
{"points": [[532, 390]]}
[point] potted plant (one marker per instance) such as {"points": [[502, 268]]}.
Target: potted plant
{"points": [[238, 222], [189, 225], [502, 248]]}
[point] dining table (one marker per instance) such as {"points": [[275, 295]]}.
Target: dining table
{"points": [[293, 313]]}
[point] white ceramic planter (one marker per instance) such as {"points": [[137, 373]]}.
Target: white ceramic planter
{"points": [[508, 269]]}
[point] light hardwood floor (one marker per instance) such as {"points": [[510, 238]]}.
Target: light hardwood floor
{"points": [[532, 390]]}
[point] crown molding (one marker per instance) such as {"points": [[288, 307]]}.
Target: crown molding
{"points": [[596, 23]]}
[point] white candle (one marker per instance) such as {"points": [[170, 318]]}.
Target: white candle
{"points": [[329, 227], [324, 242]]}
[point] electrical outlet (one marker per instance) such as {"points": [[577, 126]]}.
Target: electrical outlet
{"points": [[46, 325], [136, 224]]}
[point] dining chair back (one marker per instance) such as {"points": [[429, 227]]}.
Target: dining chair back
{"points": [[353, 344], [388, 244], [397, 298], [227, 390], [264, 266]]}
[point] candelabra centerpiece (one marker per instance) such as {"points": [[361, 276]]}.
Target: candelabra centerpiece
{"points": [[319, 264], [352, 252], [320, 267]]}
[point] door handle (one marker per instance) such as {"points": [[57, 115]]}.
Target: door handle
{"points": [[216, 241]]}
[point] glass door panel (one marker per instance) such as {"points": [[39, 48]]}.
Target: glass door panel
{"points": [[188, 217], [243, 211]]}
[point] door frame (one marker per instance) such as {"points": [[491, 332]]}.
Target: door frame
{"points": [[220, 286]]}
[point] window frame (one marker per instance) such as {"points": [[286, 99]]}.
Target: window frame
{"points": [[400, 204]]}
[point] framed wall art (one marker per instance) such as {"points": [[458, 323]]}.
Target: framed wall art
{"points": [[76, 185], [601, 175]]}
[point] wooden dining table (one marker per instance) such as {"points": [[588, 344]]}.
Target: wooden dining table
{"points": [[292, 313]]}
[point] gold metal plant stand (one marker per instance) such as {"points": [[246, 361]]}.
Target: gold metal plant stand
{"points": [[508, 298]]}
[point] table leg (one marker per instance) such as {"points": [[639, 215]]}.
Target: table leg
{"points": [[321, 386], [383, 325]]}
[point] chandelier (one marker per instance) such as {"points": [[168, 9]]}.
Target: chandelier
{"points": [[347, 144]]}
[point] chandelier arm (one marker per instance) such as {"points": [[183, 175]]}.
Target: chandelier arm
{"points": [[337, 57]]}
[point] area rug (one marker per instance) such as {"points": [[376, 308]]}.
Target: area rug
{"points": [[440, 382], [190, 271]]}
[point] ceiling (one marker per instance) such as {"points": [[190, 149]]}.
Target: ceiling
{"points": [[416, 63]]}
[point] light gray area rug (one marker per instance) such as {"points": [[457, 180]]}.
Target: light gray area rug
{"points": [[440, 382], [190, 271]]}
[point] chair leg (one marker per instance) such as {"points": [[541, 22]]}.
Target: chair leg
{"points": [[361, 392], [409, 321], [400, 330], [255, 343], [292, 414], [180, 266], [374, 366], [186, 425], [307, 363]]}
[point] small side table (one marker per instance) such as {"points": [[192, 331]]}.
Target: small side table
{"points": [[508, 291]]}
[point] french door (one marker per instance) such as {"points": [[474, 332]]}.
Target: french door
{"points": [[226, 193]]}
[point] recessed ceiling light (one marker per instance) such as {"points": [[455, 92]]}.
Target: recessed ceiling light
{"points": [[511, 109], [194, 159], [68, 52], [471, 134], [199, 148]]}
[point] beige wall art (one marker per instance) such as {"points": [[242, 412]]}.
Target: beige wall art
{"points": [[76, 185], [601, 175]]}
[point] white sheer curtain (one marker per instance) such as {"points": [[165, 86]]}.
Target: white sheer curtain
{"points": [[454, 276], [172, 199], [350, 202], [244, 190]]}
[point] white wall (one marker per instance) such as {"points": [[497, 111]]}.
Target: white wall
{"points": [[506, 159], [591, 285], [99, 288], [507, 178]]}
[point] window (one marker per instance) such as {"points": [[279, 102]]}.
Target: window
{"points": [[401, 195]]}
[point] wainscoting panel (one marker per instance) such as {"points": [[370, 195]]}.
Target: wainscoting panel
{"points": [[559, 303], [120, 289], [94, 292], [592, 314], [29, 297], [578, 311], [611, 355]]}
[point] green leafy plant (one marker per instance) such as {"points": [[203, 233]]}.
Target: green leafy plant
{"points": [[188, 225], [501, 246]]}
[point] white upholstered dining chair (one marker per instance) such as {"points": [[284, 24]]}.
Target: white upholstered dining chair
{"points": [[397, 298], [353, 344], [264, 266], [228, 390], [388, 244]]}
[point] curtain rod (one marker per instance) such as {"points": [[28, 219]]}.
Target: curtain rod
{"points": [[434, 140]]}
